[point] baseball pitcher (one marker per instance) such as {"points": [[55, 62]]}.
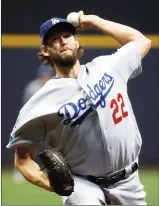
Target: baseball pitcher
{"points": [[84, 116]]}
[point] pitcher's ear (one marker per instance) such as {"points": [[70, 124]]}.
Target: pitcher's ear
{"points": [[44, 50]]}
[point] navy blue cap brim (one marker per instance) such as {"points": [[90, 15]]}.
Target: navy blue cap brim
{"points": [[59, 27]]}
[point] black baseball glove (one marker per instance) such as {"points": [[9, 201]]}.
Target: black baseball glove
{"points": [[58, 172]]}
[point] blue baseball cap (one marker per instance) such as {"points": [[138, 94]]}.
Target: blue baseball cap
{"points": [[54, 23]]}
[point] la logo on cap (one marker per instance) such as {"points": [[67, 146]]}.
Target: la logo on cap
{"points": [[55, 21]]}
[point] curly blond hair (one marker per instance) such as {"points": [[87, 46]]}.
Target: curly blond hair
{"points": [[47, 61]]}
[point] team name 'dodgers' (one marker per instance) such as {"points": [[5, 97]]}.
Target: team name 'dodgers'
{"points": [[79, 110]]}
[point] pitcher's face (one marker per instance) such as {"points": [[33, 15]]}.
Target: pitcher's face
{"points": [[62, 48]]}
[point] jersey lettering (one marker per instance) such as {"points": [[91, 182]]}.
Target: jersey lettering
{"points": [[76, 112], [71, 110], [101, 89]]}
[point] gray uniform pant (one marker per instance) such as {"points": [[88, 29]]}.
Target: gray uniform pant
{"points": [[126, 192]]}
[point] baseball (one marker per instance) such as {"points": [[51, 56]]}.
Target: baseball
{"points": [[73, 18]]}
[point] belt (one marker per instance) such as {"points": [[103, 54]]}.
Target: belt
{"points": [[110, 179]]}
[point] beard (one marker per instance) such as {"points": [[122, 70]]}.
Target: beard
{"points": [[65, 61]]}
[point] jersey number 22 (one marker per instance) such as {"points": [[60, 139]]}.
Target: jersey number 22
{"points": [[118, 106]]}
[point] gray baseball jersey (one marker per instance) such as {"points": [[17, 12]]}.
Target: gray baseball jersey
{"points": [[89, 119]]}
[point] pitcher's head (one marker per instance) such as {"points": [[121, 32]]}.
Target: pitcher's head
{"points": [[60, 45]]}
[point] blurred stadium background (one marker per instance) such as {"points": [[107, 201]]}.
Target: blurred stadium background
{"points": [[20, 43]]}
